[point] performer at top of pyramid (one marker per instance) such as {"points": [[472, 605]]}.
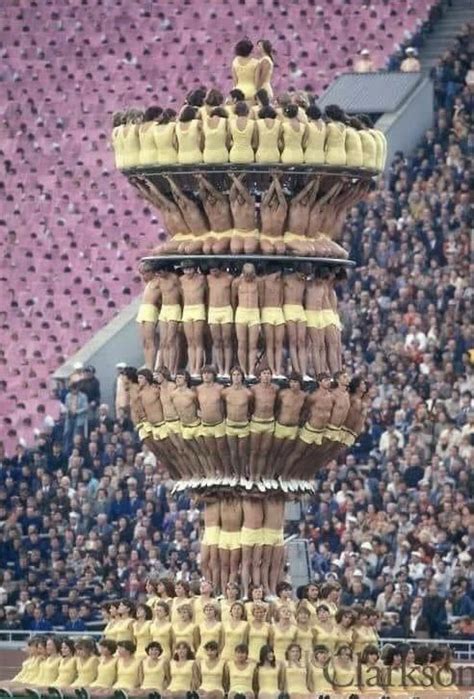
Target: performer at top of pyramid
{"points": [[250, 73]]}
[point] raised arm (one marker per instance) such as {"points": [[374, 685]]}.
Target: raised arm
{"points": [[241, 188], [306, 191], [279, 191]]}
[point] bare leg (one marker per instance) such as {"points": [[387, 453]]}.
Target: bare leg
{"points": [[224, 456], [317, 347], [265, 571], [332, 348], [254, 333], [217, 346], [255, 440], [246, 570], [228, 350], [172, 346], [199, 345], [233, 444], [215, 567], [206, 562], [224, 561], [279, 338], [242, 332], [244, 455], [148, 333], [210, 445], [236, 245], [189, 335], [265, 448], [278, 557], [291, 327], [269, 334], [301, 348]]}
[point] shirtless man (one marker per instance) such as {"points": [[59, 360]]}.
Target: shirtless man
{"points": [[217, 207], [315, 295], [273, 549], [333, 326], [185, 403], [295, 238], [335, 215], [242, 203], [273, 320], [319, 405], [341, 405], [195, 221], [167, 387], [169, 318], [294, 284], [229, 540], [322, 244], [210, 542], [147, 314], [193, 293], [288, 412], [220, 317], [212, 432], [246, 301], [357, 414], [173, 219], [238, 402], [273, 212], [262, 424]]}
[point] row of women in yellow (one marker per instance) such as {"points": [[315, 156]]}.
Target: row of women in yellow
{"points": [[60, 664], [239, 134]]}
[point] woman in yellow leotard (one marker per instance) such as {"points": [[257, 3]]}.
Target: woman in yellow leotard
{"points": [[354, 152], [270, 675], [335, 148], [293, 133], [296, 673], [202, 600], [30, 666], [365, 633], [330, 595], [305, 632], [415, 663], [210, 629], [235, 630], [343, 672], [49, 668], [325, 632], [318, 672], [442, 672], [118, 122], [265, 67], [269, 136], [86, 663], [129, 138], [160, 627], [216, 138], [189, 136], [256, 595], [259, 630], [166, 143], [243, 135], [283, 633], [369, 144], [183, 596], [231, 595], [210, 672], [309, 600], [129, 667], [166, 590], [67, 672], [285, 598], [146, 135], [214, 98], [371, 676], [244, 68], [345, 620], [234, 97], [155, 669], [182, 671], [262, 100], [141, 629], [123, 630], [241, 673], [184, 630], [152, 596], [314, 140], [111, 618], [106, 668]]}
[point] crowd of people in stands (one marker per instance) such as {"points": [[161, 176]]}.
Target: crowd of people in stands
{"points": [[87, 515]]}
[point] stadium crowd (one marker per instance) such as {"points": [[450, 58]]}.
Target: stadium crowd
{"points": [[87, 515]]}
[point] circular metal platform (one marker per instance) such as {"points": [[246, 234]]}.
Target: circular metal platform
{"points": [[207, 261]]}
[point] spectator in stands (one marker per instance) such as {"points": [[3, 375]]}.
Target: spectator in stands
{"points": [[364, 64], [410, 64], [77, 405]]}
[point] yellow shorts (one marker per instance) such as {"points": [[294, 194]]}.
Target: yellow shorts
{"points": [[332, 433], [173, 426], [292, 237], [220, 316], [160, 431], [273, 316], [211, 536], [229, 540], [183, 237], [170, 313], [145, 429], [217, 430], [285, 431], [219, 235], [317, 319], [239, 233], [295, 313], [310, 435], [273, 537], [252, 537], [262, 426], [193, 313], [191, 431], [237, 429], [247, 316], [346, 436], [147, 313], [271, 238]]}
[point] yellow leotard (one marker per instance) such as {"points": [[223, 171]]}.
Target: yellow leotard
{"points": [[292, 144], [184, 633], [268, 150], [345, 679], [152, 600], [305, 638], [162, 634], [258, 637], [86, 671], [371, 679], [29, 671], [279, 603], [142, 635], [364, 636], [335, 143], [148, 151], [344, 637], [245, 73], [393, 676], [242, 149], [189, 148], [106, 673], [209, 633], [282, 638], [320, 679], [130, 146], [211, 676], [48, 671], [117, 145], [268, 679], [325, 637], [354, 153], [111, 630], [369, 149], [225, 606], [296, 679], [67, 673], [165, 144], [176, 604], [215, 147], [241, 679], [124, 630], [198, 607], [154, 674], [380, 148], [181, 676], [267, 84], [233, 636], [316, 139], [128, 676]]}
